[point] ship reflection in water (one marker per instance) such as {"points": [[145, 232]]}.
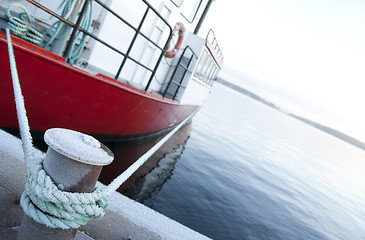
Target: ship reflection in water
{"points": [[151, 176]]}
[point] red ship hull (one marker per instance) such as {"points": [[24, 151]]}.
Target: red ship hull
{"points": [[59, 95]]}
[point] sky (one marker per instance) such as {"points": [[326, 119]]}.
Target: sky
{"points": [[305, 56]]}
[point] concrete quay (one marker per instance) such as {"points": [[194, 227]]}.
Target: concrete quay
{"points": [[124, 218]]}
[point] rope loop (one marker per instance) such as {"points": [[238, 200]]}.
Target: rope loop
{"points": [[54, 30], [58, 30], [46, 204], [21, 28]]}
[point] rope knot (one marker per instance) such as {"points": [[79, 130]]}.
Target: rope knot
{"points": [[46, 204]]}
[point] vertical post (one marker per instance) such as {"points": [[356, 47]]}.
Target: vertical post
{"points": [[132, 43], [59, 45], [202, 17], [186, 69], [74, 162], [76, 28]]}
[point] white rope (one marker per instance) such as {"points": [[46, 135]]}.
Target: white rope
{"points": [[117, 182], [42, 200], [20, 107]]}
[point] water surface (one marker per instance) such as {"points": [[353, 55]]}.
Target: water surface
{"points": [[248, 171]]}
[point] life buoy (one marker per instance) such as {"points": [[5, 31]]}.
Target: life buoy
{"points": [[178, 27]]}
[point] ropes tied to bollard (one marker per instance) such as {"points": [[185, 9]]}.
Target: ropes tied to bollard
{"points": [[42, 200]]}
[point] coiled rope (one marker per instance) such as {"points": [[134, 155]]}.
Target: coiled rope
{"points": [[42, 200], [22, 28], [59, 30]]}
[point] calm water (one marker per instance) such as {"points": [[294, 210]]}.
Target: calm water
{"points": [[250, 172]]}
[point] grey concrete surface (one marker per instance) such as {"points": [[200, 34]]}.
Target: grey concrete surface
{"points": [[12, 180]]}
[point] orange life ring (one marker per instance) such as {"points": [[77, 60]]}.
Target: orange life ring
{"points": [[178, 26]]}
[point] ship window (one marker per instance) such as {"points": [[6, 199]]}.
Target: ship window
{"points": [[190, 8], [177, 2]]}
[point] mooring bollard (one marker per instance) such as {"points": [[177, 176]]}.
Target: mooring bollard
{"points": [[74, 162]]}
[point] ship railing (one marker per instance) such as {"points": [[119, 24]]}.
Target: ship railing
{"points": [[210, 61], [77, 28], [180, 73], [207, 68], [211, 38]]}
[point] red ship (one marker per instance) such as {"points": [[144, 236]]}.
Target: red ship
{"points": [[126, 82]]}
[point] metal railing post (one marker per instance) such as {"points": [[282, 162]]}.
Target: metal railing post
{"points": [[132, 43], [76, 28]]}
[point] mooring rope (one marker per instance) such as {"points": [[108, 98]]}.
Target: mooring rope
{"points": [[42, 200], [115, 184]]}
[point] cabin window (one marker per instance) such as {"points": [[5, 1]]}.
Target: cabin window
{"points": [[177, 2], [190, 8]]}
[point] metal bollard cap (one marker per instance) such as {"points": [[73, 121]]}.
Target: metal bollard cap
{"points": [[78, 146]]}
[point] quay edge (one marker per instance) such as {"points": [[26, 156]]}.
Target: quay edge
{"points": [[124, 218]]}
